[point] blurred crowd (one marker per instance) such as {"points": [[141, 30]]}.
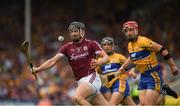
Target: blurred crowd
{"points": [[158, 20]]}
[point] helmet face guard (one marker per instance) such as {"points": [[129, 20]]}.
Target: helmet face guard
{"points": [[107, 40], [77, 26], [110, 42]]}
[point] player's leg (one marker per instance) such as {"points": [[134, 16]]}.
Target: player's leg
{"points": [[107, 95], [169, 91], [166, 90], [151, 97], [118, 88], [86, 88], [154, 86], [120, 91], [83, 90], [116, 98], [128, 101], [145, 95], [161, 97], [99, 100], [105, 92], [142, 97], [142, 89]]}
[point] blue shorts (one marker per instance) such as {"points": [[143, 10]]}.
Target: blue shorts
{"points": [[104, 89], [121, 86], [152, 79]]}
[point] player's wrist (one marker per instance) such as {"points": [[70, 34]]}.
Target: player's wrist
{"points": [[36, 70], [121, 68]]}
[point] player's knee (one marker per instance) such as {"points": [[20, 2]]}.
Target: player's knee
{"points": [[78, 99], [114, 101]]}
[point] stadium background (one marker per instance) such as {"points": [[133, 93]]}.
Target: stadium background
{"points": [[158, 20]]}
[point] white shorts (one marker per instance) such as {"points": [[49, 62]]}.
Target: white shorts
{"points": [[94, 81]]}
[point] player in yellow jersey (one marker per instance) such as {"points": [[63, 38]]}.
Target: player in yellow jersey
{"points": [[117, 85], [143, 54]]}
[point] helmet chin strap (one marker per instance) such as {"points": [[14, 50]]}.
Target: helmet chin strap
{"points": [[136, 31], [81, 33]]}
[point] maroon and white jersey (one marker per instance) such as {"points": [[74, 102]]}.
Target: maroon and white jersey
{"points": [[80, 55]]}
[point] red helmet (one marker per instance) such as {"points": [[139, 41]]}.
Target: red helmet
{"points": [[130, 24]]}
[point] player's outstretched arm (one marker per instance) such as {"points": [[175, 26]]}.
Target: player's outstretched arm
{"points": [[48, 64], [164, 52], [124, 67]]}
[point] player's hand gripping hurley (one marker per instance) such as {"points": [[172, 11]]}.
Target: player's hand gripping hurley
{"points": [[24, 49]]}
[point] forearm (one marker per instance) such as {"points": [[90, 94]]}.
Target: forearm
{"points": [[171, 63], [174, 70], [167, 57], [46, 65], [124, 67], [103, 60], [127, 63], [164, 52], [49, 63]]}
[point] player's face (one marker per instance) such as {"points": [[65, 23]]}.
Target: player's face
{"points": [[75, 34], [130, 33], [107, 47]]}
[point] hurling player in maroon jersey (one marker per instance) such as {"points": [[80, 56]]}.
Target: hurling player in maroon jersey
{"points": [[81, 54]]}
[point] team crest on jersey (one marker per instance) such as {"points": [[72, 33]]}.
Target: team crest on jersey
{"points": [[78, 49], [85, 48], [107, 66], [133, 55]]}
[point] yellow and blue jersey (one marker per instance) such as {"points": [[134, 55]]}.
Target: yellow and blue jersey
{"points": [[142, 56], [115, 62], [146, 62], [115, 83]]}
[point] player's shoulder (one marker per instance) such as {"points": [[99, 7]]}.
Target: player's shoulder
{"points": [[67, 44], [90, 41], [119, 55], [142, 39]]}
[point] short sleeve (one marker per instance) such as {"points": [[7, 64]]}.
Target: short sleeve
{"points": [[96, 47], [62, 50], [145, 42]]}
